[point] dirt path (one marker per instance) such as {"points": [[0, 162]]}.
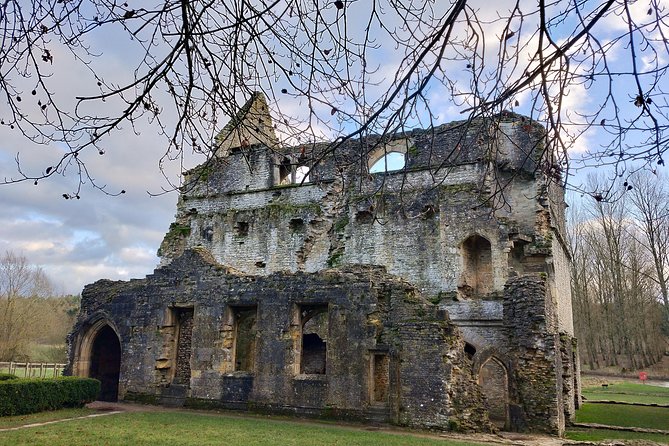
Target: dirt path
{"points": [[45, 423]]}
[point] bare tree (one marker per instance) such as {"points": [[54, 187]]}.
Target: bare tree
{"points": [[351, 68], [20, 284], [615, 289], [651, 202]]}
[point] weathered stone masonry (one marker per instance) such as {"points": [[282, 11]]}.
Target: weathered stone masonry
{"points": [[415, 297]]}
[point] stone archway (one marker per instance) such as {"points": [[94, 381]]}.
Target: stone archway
{"points": [[99, 357], [106, 363], [494, 382]]}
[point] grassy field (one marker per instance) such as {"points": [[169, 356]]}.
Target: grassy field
{"points": [[628, 392], [604, 434], [623, 415], [183, 428]]}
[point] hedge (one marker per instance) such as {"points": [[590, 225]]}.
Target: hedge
{"points": [[7, 376], [23, 396]]}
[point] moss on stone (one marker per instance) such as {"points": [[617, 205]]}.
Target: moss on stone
{"points": [[341, 223], [178, 230], [335, 258]]}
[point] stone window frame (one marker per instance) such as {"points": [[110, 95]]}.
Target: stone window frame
{"points": [[297, 333], [231, 320], [401, 145], [287, 171], [172, 320], [373, 354], [477, 292]]}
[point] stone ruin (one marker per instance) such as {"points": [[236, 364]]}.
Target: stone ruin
{"points": [[293, 280]]}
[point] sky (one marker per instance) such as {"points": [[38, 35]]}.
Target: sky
{"points": [[78, 241]]}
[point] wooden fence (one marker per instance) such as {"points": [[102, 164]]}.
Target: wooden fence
{"points": [[32, 369]]}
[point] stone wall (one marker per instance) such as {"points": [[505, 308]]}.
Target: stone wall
{"points": [[367, 311]]}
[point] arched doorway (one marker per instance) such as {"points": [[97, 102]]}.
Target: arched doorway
{"points": [[494, 383], [105, 362]]}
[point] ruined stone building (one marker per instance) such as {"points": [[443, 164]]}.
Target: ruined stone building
{"points": [[298, 280]]}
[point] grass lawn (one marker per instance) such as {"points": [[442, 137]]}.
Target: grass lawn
{"points": [[20, 420], [628, 392], [603, 434], [621, 415], [183, 428]]}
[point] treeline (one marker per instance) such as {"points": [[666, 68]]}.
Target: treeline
{"points": [[33, 321], [620, 261]]}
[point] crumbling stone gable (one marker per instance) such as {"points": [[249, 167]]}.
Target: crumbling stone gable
{"points": [[429, 296]]}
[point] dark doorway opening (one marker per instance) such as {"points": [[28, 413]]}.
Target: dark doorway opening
{"points": [[106, 363]]}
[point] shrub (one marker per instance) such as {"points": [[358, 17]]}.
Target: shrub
{"points": [[7, 376], [23, 396]]}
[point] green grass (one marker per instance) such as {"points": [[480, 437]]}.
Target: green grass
{"points": [[624, 415], [628, 392], [603, 434], [183, 428], [20, 420]]}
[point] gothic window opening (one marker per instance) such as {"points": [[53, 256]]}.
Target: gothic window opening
{"points": [[184, 334], [313, 352], [389, 157], [390, 162], [245, 338], [380, 377], [476, 278]]}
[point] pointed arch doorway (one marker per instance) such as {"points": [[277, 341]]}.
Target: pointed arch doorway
{"points": [[494, 381], [106, 362], [99, 357]]}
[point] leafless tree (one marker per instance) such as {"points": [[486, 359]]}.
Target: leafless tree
{"points": [[336, 70], [650, 198], [619, 313], [20, 284]]}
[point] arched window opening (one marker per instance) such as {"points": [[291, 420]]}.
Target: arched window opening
{"points": [[494, 383], [389, 162], [476, 278], [105, 363]]}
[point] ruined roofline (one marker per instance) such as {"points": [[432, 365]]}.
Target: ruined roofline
{"points": [[504, 117]]}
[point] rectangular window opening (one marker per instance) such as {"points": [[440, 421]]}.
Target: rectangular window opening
{"points": [[245, 319], [380, 377], [184, 334], [314, 333]]}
